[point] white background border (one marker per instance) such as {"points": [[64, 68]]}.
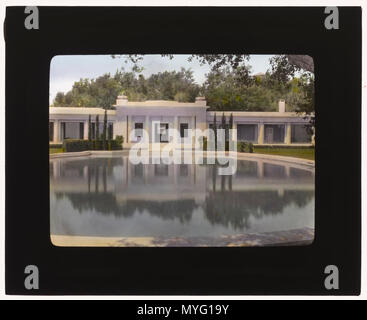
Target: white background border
{"points": [[227, 3]]}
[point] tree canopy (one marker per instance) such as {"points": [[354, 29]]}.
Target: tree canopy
{"points": [[229, 85], [103, 91]]}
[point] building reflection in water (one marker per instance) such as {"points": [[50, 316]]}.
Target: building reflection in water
{"points": [[113, 188]]}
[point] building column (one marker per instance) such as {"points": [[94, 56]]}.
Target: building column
{"points": [[86, 129], [288, 133], [128, 138], [234, 133], [56, 136], [193, 141], [146, 127], [260, 139], [175, 126]]}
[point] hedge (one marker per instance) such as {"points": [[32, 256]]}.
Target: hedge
{"points": [[245, 147], [55, 145], [241, 146], [76, 145]]}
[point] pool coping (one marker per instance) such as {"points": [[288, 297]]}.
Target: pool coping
{"points": [[293, 237], [240, 155]]}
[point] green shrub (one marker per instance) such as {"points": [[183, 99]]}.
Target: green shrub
{"points": [[75, 145], [203, 141], [115, 145], [119, 139], [98, 145], [55, 145], [247, 147]]}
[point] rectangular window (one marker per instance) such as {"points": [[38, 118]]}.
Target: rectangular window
{"points": [[71, 130], [93, 130], [300, 133], [138, 126], [247, 132], [50, 131], [163, 132], [63, 130], [81, 130], [183, 130], [274, 133]]}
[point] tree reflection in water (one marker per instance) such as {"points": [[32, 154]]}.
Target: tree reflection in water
{"points": [[108, 179], [235, 208]]}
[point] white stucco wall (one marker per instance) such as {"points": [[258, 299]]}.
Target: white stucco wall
{"points": [[195, 114]]}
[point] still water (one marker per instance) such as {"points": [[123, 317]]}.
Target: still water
{"points": [[110, 197]]}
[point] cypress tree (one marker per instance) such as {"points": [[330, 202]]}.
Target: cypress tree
{"points": [[89, 128], [97, 127], [230, 123], [104, 130], [223, 121], [215, 131], [97, 146], [223, 126]]}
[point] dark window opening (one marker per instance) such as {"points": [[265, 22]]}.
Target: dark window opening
{"points": [[81, 130], [138, 126], [163, 132], [110, 131], [247, 132], [183, 130], [300, 133], [51, 131], [274, 133], [63, 130], [93, 130]]}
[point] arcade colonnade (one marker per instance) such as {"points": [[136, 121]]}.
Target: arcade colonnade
{"points": [[261, 128]]}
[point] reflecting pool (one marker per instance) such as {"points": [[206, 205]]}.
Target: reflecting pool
{"points": [[263, 203]]}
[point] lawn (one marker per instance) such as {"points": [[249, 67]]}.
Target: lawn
{"points": [[55, 150], [305, 153]]}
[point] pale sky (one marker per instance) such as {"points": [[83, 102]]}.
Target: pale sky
{"points": [[65, 70]]}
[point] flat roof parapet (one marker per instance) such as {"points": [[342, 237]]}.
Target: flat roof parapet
{"points": [[79, 110]]}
